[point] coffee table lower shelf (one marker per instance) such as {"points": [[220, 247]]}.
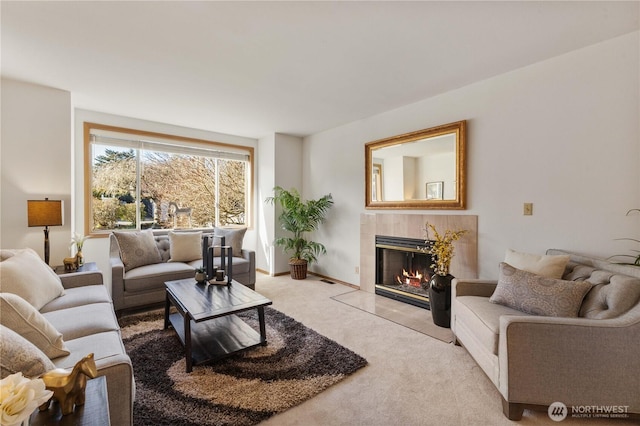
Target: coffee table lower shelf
{"points": [[216, 338]]}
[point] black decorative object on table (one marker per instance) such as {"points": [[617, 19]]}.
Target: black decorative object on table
{"points": [[216, 274], [440, 299]]}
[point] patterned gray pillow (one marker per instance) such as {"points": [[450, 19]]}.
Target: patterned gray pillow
{"points": [[137, 249], [17, 354], [538, 295]]}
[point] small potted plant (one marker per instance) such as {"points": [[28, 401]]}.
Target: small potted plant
{"points": [[201, 275], [78, 241], [300, 217], [441, 249]]}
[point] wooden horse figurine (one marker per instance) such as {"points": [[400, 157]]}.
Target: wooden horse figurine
{"points": [[68, 387], [71, 263]]}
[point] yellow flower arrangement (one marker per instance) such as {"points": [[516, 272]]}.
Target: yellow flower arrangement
{"points": [[441, 248]]}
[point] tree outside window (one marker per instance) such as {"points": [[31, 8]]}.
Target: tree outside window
{"points": [[135, 188]]}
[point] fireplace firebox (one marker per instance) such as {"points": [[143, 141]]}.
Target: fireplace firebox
{"points": [[403, 269]]}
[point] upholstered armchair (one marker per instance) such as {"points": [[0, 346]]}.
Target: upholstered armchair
{"points": [[591, 359]]}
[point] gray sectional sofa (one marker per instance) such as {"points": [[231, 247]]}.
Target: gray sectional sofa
{"points": [[81, 311], [87, 321], [583, 360], [143, 283]]}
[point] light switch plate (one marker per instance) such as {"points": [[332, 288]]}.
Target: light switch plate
{"points": [[528, 209]]}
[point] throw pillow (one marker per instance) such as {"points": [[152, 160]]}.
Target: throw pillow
{"points": [[185, 246], [545, 265], [24, 319], [17, 354], [26, 275], [137, 249], [538, 295], [233, 238]]}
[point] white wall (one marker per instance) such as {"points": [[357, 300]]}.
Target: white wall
{"points": [[288, 167], [97, 249], [563, 134], [265, 252], [279, 165], [36, 163]]}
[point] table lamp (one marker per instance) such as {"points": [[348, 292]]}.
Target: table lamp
{"points": [[45, 213]]}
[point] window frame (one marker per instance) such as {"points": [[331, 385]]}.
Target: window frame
{"points": [[89, 126]]}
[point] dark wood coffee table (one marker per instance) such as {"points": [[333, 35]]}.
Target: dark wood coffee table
{"points": [[206, 322]]}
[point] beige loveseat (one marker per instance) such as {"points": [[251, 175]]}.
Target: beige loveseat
{"points": [[140, 281], [78, 320], [591, 360]]}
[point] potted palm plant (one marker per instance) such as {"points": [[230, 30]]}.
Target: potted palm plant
{"points": [[300, 217]]}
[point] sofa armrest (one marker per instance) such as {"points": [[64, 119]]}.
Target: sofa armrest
{"points": [[250, 255], [472, 287], [117, 274], [79, 279], [576, 361]]}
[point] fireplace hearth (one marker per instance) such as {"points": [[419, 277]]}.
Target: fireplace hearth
{"points": [[403, 269]]}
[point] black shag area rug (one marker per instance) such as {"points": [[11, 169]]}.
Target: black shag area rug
{"points": [[296, 364]]}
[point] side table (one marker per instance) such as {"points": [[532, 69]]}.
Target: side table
{"points": [[94, 412], [87, 267]]}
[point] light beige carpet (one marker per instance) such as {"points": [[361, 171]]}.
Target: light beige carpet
{"points": [[411, 380], [407, 315]]}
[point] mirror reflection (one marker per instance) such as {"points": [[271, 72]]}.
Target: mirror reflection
{"points": [[423, 169]]}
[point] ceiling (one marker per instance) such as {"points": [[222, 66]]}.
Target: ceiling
{"points": [[255, 68]]}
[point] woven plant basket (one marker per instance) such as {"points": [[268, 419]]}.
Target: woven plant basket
{"points": [[298, 269]]}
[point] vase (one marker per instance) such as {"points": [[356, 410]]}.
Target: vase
{"points": [[80, 258], [440, 299]]}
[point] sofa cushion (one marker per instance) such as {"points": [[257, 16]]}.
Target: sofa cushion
{"points": [[185, 246], [240, 265], [551, 266], [78, 296], [84, 320], [538, 295], [103, 345], [152, 277], [612, 295], [7, 253], [28, 276], [24, 319], [482, 318], [17, 354], [233, 237], [164, 246], [137, 249]]}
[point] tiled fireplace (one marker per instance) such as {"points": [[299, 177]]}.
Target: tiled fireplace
{"points": [[412, 226]]}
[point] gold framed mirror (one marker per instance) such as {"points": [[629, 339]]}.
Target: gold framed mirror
{"points": [[425, 170]]}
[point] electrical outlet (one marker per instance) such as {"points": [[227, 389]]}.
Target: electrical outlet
{"points": [[357, 269], [528, 209]]}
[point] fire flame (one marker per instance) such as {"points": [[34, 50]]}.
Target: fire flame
{"points": [[410, 278]]}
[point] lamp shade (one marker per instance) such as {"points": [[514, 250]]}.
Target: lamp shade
{"points": [[45, 212]]}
